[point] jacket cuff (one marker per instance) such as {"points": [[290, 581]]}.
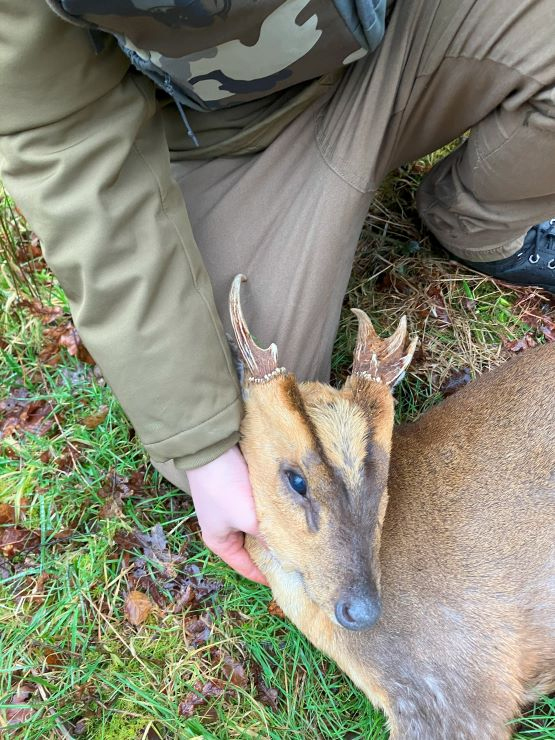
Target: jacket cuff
{"points": [[209, 439], [189, 462]]}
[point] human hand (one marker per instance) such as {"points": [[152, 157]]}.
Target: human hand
{"points": [[222, 495]]}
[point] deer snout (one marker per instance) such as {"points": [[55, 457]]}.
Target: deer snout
{"points": [[358, 612]]}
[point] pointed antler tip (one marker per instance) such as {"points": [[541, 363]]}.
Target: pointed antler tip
{"points": [[237, 280], [360, 314]]}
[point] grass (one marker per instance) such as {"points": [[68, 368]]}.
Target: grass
{"points": [[75, 478]]}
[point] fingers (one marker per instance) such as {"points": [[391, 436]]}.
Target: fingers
{"points": [[232, 551]]}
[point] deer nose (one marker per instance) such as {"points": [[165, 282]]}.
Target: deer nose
{"points": [[358, 612]]}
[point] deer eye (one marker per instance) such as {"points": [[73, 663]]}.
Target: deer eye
{"points": [[296, 481]]}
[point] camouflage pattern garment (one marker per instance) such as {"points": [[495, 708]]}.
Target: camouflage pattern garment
{"points": [[209, 54]]}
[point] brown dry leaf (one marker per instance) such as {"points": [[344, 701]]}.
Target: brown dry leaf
{"points": [[63, 534], [47, 314], [7, 514], [264, 694], [275, 610], [548, 330], [541, 323], [137, 607], [67, 460], [18, 413], [520, 345], [41, 580], [163, 575], [29, 255], [53, 658], [92, 421], [198, 630], [185, 598], [14, 540], [232, 669], [80, 727], [200, 695], [71, 340], [110, 510], [64, 335], [23, 711], [456, 381], [114, 489]]}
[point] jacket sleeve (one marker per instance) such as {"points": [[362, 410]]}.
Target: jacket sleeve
{"points": [[83, 153]]}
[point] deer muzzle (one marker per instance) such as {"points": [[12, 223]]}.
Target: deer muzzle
{"points": [[358, 611]]}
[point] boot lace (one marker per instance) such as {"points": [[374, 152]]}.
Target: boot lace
{"points": [[544, 239]]}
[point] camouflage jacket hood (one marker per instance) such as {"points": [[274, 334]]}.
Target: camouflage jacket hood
{"points": [[209, 54]]}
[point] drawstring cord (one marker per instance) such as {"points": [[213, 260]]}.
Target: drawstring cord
{"points": [[168, 87], [186, 122]]}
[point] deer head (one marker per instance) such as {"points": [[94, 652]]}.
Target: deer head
{"points": [[318, 461]]}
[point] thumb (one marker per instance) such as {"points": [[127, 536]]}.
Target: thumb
{"points": [[232, 551]]}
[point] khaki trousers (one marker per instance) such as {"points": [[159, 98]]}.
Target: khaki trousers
{"points": [[289, 217]]}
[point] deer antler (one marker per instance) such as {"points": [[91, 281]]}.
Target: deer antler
{"points": [[381, 360], [261, 363]]}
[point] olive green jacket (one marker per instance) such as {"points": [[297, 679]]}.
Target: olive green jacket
{"points": [[83, 153]]}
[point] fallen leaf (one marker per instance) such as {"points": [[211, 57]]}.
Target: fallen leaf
{"points": [[64, 335], [22, 711], [5, 569], [63, 534], [185, 598], [114, 489], [548, 330], [155, 548], [71, 340], [199, 696], [110, 510], [198, 630], [139, 579], [29, 255], [53, 658], [163, 575], [520, 345], [7, 514], [137, 607], [14, 540], [80, 727], [275, 610], [19, 413], [233, 670], [456, 381], [92, 421], [47, 314], [265, 695], [41, 580]]}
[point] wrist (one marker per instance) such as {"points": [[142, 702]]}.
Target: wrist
{"points": [[216, 469]]}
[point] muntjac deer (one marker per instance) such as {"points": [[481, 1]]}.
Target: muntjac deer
{"points": [[421, 558]]}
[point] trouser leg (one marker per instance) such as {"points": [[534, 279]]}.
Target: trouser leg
{"points": [[482, 199], [288, 222], [447, 66]]}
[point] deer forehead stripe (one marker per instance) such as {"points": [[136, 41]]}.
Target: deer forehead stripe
{"points": [[344, 430]]}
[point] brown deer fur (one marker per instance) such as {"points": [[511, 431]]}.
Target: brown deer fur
{"points": [[450, 519]]}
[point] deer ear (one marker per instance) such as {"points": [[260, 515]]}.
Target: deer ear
{"points": [[260, 365], [381, 360]]}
